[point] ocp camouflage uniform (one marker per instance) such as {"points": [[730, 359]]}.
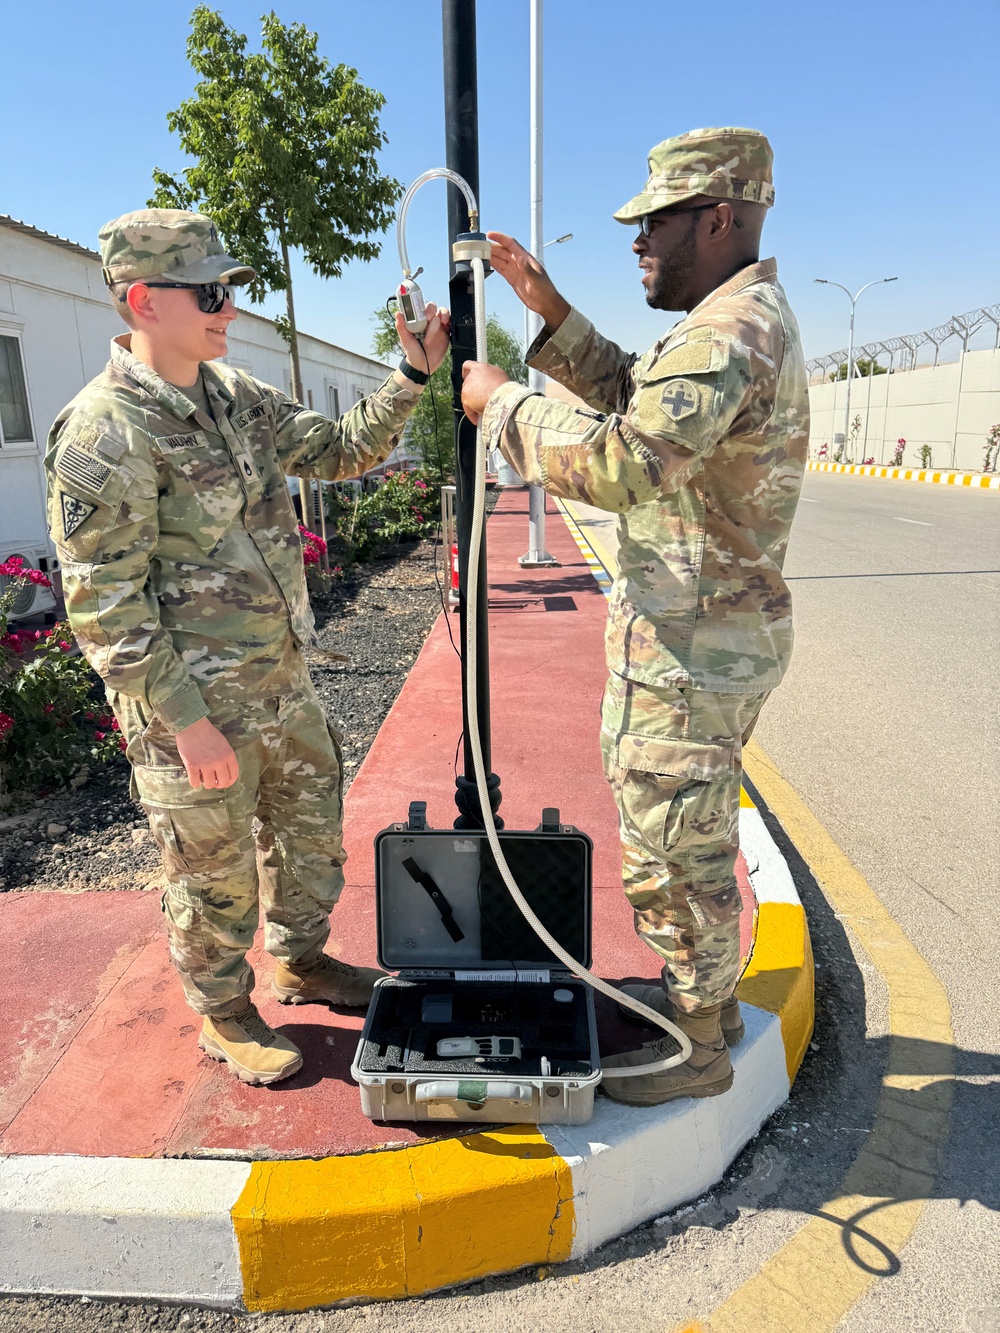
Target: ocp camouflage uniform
{"points": [[185, 586], [700, 446]]}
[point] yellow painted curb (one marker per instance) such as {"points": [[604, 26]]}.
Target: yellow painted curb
{"points": [[779, 975], [816, 1277], [941, 476], [397, 1223]]}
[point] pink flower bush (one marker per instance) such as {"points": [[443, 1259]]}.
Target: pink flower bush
{"points": [[45, 689]]}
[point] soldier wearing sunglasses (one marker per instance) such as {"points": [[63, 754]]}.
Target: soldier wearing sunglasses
{"points": [[185, 587], [700, 445]]}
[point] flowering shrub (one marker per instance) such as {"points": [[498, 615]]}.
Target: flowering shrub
{"points": [[897, 456], [49, 722], [992, 448], [824, 451], [313, 547], [403, 507]]}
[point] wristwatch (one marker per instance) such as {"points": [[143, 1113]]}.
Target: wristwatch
{"points": [[411, 372]]}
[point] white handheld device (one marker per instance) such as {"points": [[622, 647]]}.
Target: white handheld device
{"points": [[458, 1048], [411, 303]]}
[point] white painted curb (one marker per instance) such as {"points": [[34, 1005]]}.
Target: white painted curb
{"points": [[630, 1165], [112, 1226]]}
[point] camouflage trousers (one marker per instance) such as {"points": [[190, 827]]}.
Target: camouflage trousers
{"points": [[289, 790], [673, 757]]}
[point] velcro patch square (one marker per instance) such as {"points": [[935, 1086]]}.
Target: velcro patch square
{"points": [[679, 399]]}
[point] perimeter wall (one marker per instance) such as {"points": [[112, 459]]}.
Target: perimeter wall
{"points": [[950, 407]]}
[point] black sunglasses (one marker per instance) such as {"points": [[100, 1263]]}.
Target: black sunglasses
{"points": [[649, 220], [211, 295]]}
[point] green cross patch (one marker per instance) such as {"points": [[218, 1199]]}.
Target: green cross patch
{"points": [[679, 399]]}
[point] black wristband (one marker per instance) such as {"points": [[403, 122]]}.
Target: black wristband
{"points": [[411, 372]]}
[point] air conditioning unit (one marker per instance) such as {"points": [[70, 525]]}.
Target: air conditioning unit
{"points": [[33, 599]]}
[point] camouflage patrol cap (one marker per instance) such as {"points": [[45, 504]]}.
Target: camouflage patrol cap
{"points": [[721, 163], [167, 242]]}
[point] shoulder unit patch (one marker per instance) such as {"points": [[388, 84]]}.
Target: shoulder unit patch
{"points": [[74, 512], [679, 399]]}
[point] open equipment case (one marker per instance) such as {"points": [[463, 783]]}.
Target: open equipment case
{"points": [[519, 1032]]}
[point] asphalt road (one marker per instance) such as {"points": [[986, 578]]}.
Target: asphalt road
{"points": [[887, 727]]}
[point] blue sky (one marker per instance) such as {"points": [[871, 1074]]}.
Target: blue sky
{"points": [[882, 116]]}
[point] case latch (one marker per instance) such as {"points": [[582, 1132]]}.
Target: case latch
{"points": [[550, 820], [417, 818]]}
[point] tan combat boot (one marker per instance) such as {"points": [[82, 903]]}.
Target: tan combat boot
{"points": [[326, 981], [705, 1073], [656, 998], [253, 1051]]}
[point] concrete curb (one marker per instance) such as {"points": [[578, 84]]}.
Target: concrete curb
{"points": [[941, 476], [294, 1234], [290, 1235]]}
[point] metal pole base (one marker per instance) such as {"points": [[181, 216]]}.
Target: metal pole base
{"points": [[538, 560], [467, 799]]}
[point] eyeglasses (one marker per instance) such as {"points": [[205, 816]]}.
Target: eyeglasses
{"points": [[649, 220], [211, 295]]}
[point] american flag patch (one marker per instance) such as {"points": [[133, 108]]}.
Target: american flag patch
{"points": [[83, 468]]}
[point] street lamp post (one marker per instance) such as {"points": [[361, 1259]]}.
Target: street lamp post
{"points": [[536, 555], [850, 346], [527, 313]]}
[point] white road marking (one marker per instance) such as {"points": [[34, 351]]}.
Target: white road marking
{"points": [[917, 521], [807, 501]]}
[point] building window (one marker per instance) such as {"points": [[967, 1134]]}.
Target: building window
{"points": [[333, 401], [309, 395], [359, 393], [15, 420]]}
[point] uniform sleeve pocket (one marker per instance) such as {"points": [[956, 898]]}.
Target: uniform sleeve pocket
{"points": [[691, 761]]}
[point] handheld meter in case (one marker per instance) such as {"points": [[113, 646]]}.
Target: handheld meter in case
{"points": [[481, 1022]]}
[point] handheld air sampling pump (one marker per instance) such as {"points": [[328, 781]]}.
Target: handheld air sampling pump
{"points": [[473, 248]]}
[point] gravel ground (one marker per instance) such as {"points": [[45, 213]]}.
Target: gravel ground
{"points": [[96, 837]]}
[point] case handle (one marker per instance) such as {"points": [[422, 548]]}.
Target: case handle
{"points": [[475, 1091]]}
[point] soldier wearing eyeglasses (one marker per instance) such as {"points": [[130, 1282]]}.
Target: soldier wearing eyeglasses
{"points": [[700, 446], [185, 587]]}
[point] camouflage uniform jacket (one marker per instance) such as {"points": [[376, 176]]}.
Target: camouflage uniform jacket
{"points": [[700, 446], [181, 559]]}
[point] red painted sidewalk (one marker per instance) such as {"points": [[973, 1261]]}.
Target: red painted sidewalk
{"points": [[98, 1051]]}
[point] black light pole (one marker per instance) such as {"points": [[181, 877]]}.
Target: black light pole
{"points": [[461, 120]]}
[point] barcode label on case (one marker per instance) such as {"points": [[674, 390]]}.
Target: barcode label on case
{"points": [[538, 974]]}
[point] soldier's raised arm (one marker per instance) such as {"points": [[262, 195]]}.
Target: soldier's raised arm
{"points": [[311, 445], [685, 401], [569, 349]]}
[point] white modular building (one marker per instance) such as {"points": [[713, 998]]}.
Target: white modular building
{"points": [[55, 327]]}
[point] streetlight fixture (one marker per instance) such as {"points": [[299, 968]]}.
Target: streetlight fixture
{"points": [[850, 345]]}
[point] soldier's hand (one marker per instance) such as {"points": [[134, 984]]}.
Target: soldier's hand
{"points": [[208, 757], [529, 280], [478, 383], [426, 352]]}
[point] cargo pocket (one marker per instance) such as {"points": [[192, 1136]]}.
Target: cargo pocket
{"points": [[716, 907], [191, 825], [676, 795]]}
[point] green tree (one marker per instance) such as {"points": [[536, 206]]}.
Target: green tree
{"points": [[861, 367], [432, 422], [285, 149]]}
